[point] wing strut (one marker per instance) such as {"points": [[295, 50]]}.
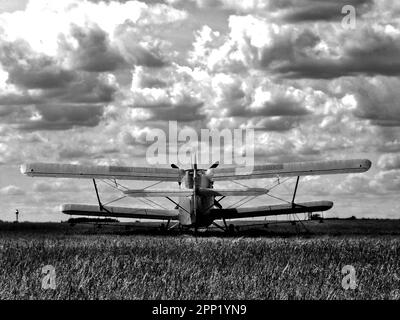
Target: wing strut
{"points": [[177, 204], [295, 190], [101, 207]]}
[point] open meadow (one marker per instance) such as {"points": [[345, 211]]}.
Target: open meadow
{"points": [[113, 263]]}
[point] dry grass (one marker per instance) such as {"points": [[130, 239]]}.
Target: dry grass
{"points": [[183, 267]]}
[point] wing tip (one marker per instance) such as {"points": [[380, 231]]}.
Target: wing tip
{"points": [[367, 164], [24, 168]]}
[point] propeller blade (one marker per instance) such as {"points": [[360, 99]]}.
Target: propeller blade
{"points": [[214, 165], [217, 204]]}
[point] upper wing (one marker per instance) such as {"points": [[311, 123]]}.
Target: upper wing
{"points": [[118, 212], [273, 210], [59, 170], [293, 169]]}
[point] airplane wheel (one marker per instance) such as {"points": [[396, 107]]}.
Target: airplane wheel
{"points": [[231, 228]]}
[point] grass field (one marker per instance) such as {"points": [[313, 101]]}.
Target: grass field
{"points": [[112, 263]]}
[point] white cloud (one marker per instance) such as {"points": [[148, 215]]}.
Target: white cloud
{"points": [[43, 21], [389, 161], [11, 190]]}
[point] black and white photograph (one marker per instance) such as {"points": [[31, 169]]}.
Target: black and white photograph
{"points": [[218, 151]]}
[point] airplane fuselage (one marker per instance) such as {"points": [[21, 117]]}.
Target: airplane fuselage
{"points": [[194, 211]]}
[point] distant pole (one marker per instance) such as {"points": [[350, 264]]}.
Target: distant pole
{"points": [[16, 215]]}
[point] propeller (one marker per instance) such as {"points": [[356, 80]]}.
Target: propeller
{"points": [[181, 173], [210, 170], [214, 165]]}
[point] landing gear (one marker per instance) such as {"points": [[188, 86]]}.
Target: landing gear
{"points": [[166, 227], [227, 228]]}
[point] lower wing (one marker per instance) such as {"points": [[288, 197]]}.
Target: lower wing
{"points": [[118, 212], [273, 210]]}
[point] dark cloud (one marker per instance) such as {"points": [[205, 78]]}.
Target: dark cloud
{"points": [[147, 79], [94, 52], [88, 88], [63, 117], [378, 100], [287, 49], [144, 57], [277, 123], [279, 107], [367, 51], [293, 11], [186, 109], [137, 53], [67, 98], [84, 149], [319, 10], [346, 66], [286, 151], [179, 112], [11, 99], [135, 139], [30, 70]]}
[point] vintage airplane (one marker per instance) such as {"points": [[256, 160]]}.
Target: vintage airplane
{"points": [[199, 204]]}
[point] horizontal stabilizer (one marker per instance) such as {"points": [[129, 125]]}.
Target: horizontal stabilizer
{"points": [[189, 192], [273, 210], [233, 192], [118, 212], [157, 193]]}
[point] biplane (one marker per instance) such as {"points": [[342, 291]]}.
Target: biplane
{"points": [[197, 201]]}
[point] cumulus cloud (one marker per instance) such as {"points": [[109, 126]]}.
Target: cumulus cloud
{"points": [[177, 100], [61, 77], [300, 50], [370, 49], [61, 98], [31, 70], [55, 186], [311, 89], [63, 117], [94, 51], [388, 181], [11, 190], [389, 161], [378, 99], [289, 10], [357, 184]]}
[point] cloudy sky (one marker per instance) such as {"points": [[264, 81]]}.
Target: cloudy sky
{"points": [[85, 81]]}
